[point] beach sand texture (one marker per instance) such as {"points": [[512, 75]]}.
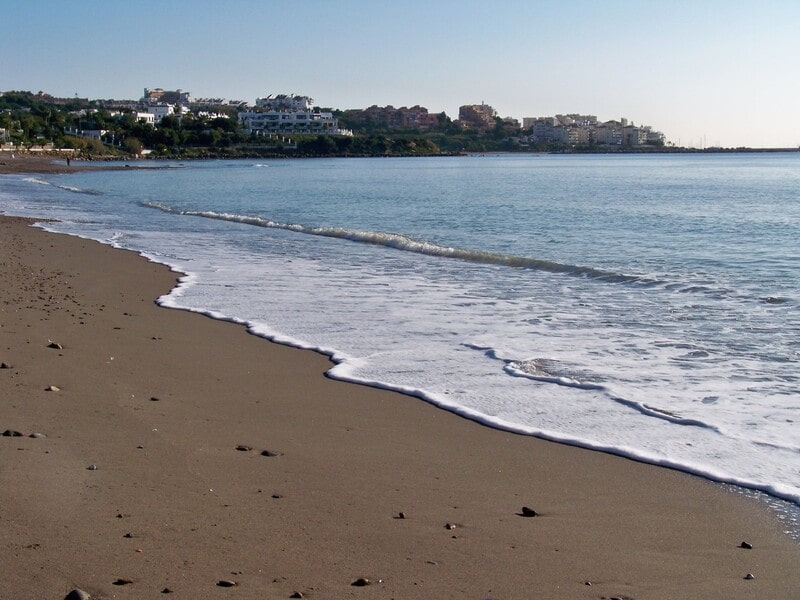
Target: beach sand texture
{"points": [[151, 475]]}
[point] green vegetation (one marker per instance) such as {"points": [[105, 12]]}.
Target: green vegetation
{"points": [[92, 130]]}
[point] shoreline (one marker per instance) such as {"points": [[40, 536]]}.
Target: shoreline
{"points": [[189, 390]]}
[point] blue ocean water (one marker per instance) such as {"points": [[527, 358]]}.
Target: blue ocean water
{"points": [[647, 306]]}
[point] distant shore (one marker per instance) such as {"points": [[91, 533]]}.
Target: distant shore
{"points": [[16, 162], [163, 451]]}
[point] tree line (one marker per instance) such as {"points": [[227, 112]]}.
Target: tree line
{"points": [[31, 120]]}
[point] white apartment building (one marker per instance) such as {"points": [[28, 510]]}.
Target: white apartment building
{"points": [[285, 102], [290, 122], [160, 111]]}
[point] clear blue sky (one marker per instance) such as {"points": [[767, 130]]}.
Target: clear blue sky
{"points": [[715, 72]]}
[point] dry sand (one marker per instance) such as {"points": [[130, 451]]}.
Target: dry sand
{"points": [[158, 401]]}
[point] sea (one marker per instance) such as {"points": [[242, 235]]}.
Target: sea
{"points": [[642, 305]]}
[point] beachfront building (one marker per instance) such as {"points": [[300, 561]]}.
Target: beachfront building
{"points": [[583, 130], [287, 115], [479, 117], [389, 117]]}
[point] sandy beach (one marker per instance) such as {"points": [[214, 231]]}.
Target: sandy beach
{"points": [[163, 452]]}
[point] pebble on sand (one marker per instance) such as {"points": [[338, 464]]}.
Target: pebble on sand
{"points": [[91, 468], [52, 388], [749, 576], [78, 594], [270, 453], [11, 433], [746, 545], [5, 366], [244, 448], [122, 581], [361, 582], [54, 345], [528, 512], [226, 583]]}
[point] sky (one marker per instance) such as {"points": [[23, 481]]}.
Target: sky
{"points": [[704, 72]]}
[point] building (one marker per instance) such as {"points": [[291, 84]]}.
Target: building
{"points": [[583, 130], [160, 111], [477, 116], [389, 117], [159, 96], [284, 102], [287, 115]]}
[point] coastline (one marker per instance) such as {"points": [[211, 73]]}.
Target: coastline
{"points": [[190, 390]]}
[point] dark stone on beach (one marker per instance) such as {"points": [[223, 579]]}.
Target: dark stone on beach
{"points": [[450, 525], [37, 435], [270, 453], [277, 496], [154, 399], [361, 582], [243, 448], [297, 595], [401, 515], [5, 366], [166, 591], [528, 512], [55, 345], [77, 594], [128, 535], [91, 468], [746, 545], [11, 433], [226, 583], [122, 581], [749, 576]]}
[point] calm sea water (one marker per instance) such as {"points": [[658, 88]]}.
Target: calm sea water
{"points": [[647, 306]]}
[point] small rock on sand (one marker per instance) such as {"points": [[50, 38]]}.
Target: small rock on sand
{"points": [[244, 448], [5, 366], [528, 512], [746, 545], [361, 582], [52, 388], [749, 576], [270, 453], [55, 345], [11, 433], [37, 435], [122, 581], [78, 594], [226, 583], [91, 468]]}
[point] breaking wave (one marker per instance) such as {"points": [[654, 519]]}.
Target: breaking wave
{"points": [[402, 242], [68, 188]]}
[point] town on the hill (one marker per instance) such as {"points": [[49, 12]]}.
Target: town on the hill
{"points": [[164, 123]]}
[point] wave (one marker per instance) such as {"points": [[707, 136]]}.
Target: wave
{"points": [[68, 188], [402, 242], [543, 370]]}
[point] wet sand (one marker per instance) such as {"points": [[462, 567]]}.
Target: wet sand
{"points": [[151, 475]]}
